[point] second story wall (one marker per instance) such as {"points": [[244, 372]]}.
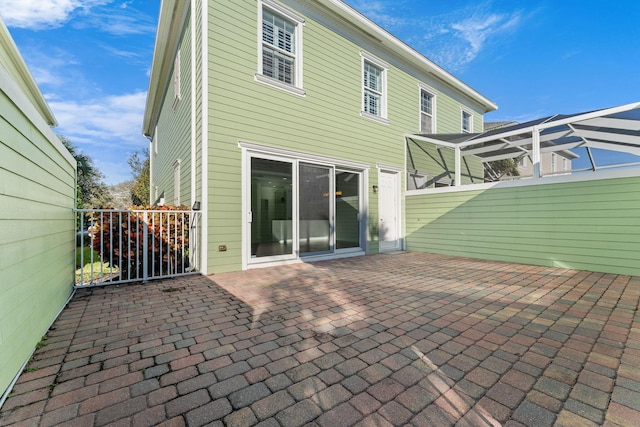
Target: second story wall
{"points": [[170, 149]]}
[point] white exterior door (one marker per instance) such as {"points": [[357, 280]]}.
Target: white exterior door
{"points": [[389, 211]]}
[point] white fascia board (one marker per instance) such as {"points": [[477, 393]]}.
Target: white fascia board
{"points": [[407, 52]]}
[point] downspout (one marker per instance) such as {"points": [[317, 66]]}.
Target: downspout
{"points": [[193, 102], [458, 166], [205, 138], [151, 153]]}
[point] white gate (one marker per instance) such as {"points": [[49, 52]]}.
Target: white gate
{"points": [[120, 246]]}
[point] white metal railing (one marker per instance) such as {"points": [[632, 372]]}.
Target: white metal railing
{"points": [[119, 246]]}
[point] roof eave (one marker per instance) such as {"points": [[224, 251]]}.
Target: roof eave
{"points": [[407, 52]]}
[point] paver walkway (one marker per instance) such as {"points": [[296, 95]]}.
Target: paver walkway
{"points": [[400, 339]]}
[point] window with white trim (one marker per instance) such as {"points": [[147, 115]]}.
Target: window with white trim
{"points": [[176, 183], [427, 111], [176, 80], [280, 61], [374, 88], [467, 122], [373, 91], [553, 162], [565, 165]]}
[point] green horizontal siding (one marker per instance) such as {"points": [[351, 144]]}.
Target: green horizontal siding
{"points": [[37, 196], [325, 122], [589, 225], [174, 130]]}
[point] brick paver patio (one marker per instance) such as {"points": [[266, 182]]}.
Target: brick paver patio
{"points": [[383, 340]]}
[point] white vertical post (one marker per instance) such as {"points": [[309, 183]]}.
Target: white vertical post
{"points": [[535, 138], [204, 123], [458, 162], [145, 247]]}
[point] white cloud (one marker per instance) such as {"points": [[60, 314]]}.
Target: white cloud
{"points": [[476, 29], [111, 122], [122, 21], [41, 14], [383, 13], [453, 39], [108, 130]]}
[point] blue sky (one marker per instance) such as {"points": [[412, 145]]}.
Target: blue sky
{"points": [[91, 58]]}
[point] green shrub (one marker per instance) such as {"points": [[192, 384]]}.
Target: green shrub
{"points": [[118, 236]]}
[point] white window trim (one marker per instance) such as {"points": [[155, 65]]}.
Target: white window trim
{"points": [[470, 113], [297, 88], [177, 89], [431, 91], [382, 118], [176, 182]]}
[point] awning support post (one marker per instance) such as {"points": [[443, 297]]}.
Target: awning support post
{"points": [[458, 171], [535, 152]]}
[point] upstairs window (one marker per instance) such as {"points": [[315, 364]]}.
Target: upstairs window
{"points": [[280, 48], [467, 122], [427, 110], [374, 88]]}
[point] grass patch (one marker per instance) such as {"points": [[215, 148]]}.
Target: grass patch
{"points": [[92, 271], [86, 254], [42, 342]]}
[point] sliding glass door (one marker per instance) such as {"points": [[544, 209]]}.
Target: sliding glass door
{"points": [[301, 209], [271, 214], [347, 223]]}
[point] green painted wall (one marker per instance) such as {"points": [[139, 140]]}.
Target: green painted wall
{"points": [[174, 130], [37, 196], [326, 121], [588, 225]]}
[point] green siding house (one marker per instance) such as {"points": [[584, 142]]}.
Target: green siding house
{"points": [[286, 121], [37, 197]]}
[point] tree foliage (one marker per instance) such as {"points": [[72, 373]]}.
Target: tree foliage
{"points": [[499, 168], [92, 192], [139, 164]]}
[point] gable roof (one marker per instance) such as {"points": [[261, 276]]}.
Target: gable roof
{"points": [[14, 65]]}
